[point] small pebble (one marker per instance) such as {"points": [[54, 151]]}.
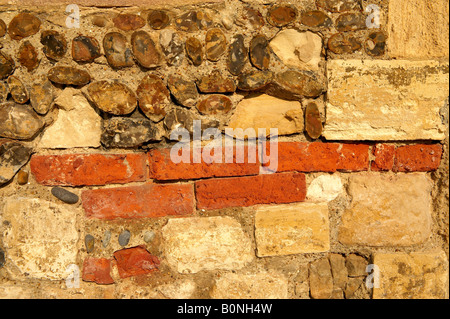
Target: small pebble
{"points": [[22, 177], [89, 242], [106, 238], [124, 238], [149, 236], [65, 195]]}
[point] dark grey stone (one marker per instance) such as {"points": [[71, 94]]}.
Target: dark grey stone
{"points": [[65, 195], [124, 238]]}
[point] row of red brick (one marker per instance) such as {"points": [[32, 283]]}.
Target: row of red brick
{"points": [[233, 189], [104, 169]]}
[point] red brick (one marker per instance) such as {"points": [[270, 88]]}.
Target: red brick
{"points": [[97, 270], [135, 261], [147, 201], [163, 168], [384, 157], [250, 190], [89, 169], [322, 157], [417, 158], [353, 157]]}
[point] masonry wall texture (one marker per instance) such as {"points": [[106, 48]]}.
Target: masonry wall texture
{"points": [[98, 199]]}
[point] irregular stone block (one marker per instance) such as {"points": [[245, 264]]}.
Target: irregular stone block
{"points": [[419, 275], [262, 285], [419, 30], [292, 229], [387, 210], [386, 100], [41, 237], [259, 112], [195, 244]]}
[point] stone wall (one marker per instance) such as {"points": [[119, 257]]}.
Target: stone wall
{"points": [[350, 202]]}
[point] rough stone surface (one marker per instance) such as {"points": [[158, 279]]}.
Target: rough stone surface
{"points": [[112, 97], [158, 19], [292, 229], [316, 19], [339, 5], [259, 112], [215, 104], [351, 22], [260, 52], [298, 49], [19, 121], [172, 46], [77, 124], [320, 279], [237, 55], [216, 83], [345, 43], [122, 132], [261, 285], [338, 270], [216, 44], [194, 50], [55, 44], [180, 289], [295, 84], [419, 30], [117, 50], [69, 76], [281, 15], [418, 275], [145, 50], [313, 121], [18, 91], [7, 65], [254, 80], [153, 97], [13, 156], [40, 238], [395, 100], [325, 188], [375, 44], [195, 244], [28, 56], [184, 91], [387, 210], [356, 265], [4, 91], [23, 25], [41, 97], [85, 49], [128, 22]]}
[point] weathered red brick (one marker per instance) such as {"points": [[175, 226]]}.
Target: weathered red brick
{"points": [[384, 157], [250, 190], [163, 168], [322, 157], [97, 270], [146, 201], [353, 157], [89, 169], [135, 261], [417, 158]]}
